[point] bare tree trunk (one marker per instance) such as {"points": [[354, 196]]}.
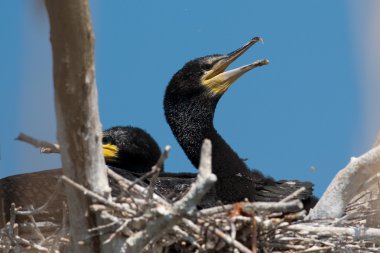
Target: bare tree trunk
{"points": [[76, 104]]}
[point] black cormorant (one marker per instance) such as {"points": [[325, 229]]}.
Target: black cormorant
{"points": [[129, 151], [190, 101], [130, 148]]}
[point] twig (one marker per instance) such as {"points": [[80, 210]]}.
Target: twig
{"points": [[35, 228], [358, 233], [44, 206], [60, 235], [186, 236], [254, 235], [290, 206], [156, 171], [205, 180], [92, 194], [229, 240], [125, 184], [191, 225], [346, 184], [106, 228], [44, 146], [118, 230], [233, 229], [11, 233], [296, 248], [142, 178], [293, 195], [167, 217], [20, 240]]}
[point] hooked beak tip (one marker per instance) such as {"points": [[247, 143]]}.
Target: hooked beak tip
{"points": [[258, 39]]}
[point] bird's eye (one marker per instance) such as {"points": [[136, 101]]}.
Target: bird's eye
{"points": [[106, 139], [207, 66]]}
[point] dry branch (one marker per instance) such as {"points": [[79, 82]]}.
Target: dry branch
{"points": [[346, 185], [358, 233], [166, 216], [156, 171], [76, 105], [44, 146]]}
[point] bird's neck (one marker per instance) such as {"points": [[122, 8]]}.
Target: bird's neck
{"points": [[192, 122]]}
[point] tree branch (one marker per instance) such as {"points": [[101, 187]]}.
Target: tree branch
{"points": [[358, 233], [166, 216], [76, 105], [44, 146], [346, 185]]}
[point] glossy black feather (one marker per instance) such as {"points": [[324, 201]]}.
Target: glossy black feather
{"points": [[189, 109], [138, 151]]}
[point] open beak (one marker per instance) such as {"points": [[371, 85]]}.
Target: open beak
{"points": [[110, 152], [218, 80]]}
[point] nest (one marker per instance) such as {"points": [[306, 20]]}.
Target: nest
{"points": [[143, 221], [137, 213]]}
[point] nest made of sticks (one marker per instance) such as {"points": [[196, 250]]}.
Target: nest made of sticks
{"points": [[137, 213]]}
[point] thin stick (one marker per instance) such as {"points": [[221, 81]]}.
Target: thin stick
{"points": [[156, 171], [11, 231], [186, 236], [36, 228], [20, 240], [44, 206], [44, 146], [121, 228], [254, 235], [293, 195], [125, 184], [230, 241], [92, 194], [372, 234], [290, 206]]}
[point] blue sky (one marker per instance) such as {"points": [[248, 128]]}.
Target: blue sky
{"points": [[303, 110]]}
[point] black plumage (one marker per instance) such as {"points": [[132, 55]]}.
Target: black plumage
{"points": [[190, 101], [130, 151], [136, 150]]}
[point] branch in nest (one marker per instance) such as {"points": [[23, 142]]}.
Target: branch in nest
{"points": [[156, 171], [168, 216], [293, 195], [248, 207], [358, 233], [44, 146], [45, 205], [96, 196], [125, 185], [346, 185]]}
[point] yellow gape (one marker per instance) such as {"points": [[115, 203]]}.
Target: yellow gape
{"points": [[110, 152]]}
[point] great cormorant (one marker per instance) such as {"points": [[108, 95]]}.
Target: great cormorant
{"points": [[130, 148], [190, 101], [130, 151]]}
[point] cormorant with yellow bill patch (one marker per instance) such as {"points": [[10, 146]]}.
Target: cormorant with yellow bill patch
{"points": [[190, 101], [130, 148], [129, 151]]}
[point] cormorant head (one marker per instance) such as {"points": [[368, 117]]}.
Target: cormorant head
{"points": [[130, 148], [208, 76]]}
